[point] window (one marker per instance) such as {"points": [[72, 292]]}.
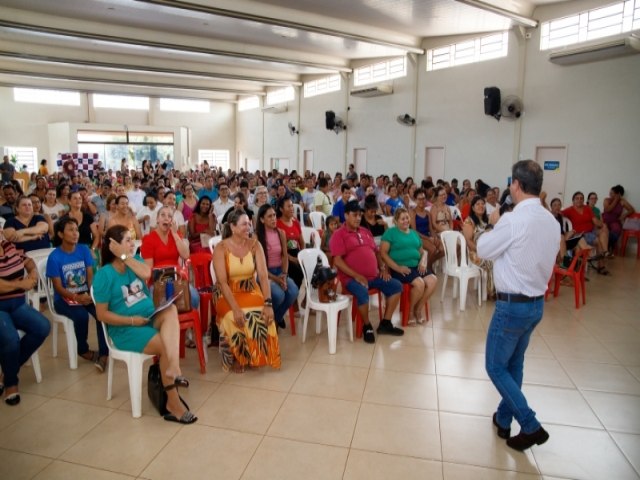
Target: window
{"points": [[248, 103], [387, 70], [215, 158], [53, 97], [281, 95], [120, 101], [600, 22], [25, 157], [470, 51], [322, 85], [182, 105]]}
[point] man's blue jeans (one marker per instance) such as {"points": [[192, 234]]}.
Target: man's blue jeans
{"points": [[507, 341], [282, 299], [16, 314]]}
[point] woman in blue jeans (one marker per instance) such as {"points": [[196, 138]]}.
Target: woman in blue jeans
{"points": [[70, 268], [283, 289], [16, 314]]}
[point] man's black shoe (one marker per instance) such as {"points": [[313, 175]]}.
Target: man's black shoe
{"points": [[522, 441], [387, 328], [367, 334], [502, 432]]}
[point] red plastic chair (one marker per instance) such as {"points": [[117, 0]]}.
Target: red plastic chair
{"points": [[575, 271], [355, 313], [405, 300], [200, 263], [627, 234]]}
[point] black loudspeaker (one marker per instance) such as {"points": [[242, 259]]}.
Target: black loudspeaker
{"points": [[330, 120], [491, 101]]}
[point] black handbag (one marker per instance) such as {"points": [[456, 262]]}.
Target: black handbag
{"points": [[155, 389]]}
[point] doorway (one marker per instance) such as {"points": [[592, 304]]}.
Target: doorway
{"points": [[434, 163], [553, 160], [360, 159], [308, 160]]}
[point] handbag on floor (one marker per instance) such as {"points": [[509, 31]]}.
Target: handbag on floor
{"points": [[155, 389]]}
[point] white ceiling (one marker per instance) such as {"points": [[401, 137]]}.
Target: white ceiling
{"points": [[222, 49]]}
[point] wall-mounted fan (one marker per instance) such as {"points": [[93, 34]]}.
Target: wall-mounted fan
{"points": [[511, 108], [292, 129], [406, 120]]}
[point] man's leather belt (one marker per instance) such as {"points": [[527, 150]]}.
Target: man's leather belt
{"points": [[516, 298]]}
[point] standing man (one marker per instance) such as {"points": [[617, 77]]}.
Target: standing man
{"points": [[7, 169], [523, 246], [360, 267]]}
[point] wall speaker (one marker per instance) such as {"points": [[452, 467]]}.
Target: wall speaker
{"points": [[492, 101], [330, 119]]}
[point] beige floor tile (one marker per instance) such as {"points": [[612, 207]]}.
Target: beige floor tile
{"points": [[333, 381], [545, 371], [630, 446], [201, 452], [381, 466], [267, 378], [456, 363], [404, 359], [191, 367], [607, 331], [292, 350], [579, 348], [414, 336], [291, 460], [580, 453], [401, 389], [472, 440], [241, 408], [53, 427], [466, 340], [57, 376], [464, 395], [28, 403], [317, 420], [538, 348], [68, 471], [126, 444], [617, 412], [602, 377], [398, 430], [356, 354], [626, 353], [562, 326], [20, 466], [635, 371], [92, 389], [560, 405], [459, 322], [456, 471]]}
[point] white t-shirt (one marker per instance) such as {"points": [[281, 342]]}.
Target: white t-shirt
{"points": [[54, 212], [151, 223], [136, 199]]}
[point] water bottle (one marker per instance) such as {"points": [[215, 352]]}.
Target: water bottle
{"points": [[169, 289]]}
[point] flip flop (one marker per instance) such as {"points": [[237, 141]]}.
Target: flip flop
{"points": [[187, 418]]}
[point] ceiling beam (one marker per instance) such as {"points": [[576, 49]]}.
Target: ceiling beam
{"points": [[519, 19], [223, 12]]}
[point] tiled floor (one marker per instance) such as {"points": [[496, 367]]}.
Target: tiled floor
{"points": [[416, 407]]}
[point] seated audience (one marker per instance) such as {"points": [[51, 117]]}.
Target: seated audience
{"points": [[293, 234], [440, 214], [202, 221], [26, 230], [475, 225], [420, 219]]}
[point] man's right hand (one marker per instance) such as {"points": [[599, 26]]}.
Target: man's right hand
{"points": [[361, 280]]}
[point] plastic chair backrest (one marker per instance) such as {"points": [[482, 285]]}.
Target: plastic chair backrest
{"points": [[567, 226], [2, 220], [46, 282], [388, 220], [212, 272], [581, 256], [299, 213], [213, 241], [311, 234], [450, 240], [308, 259], [317, 220], [200, 265]]}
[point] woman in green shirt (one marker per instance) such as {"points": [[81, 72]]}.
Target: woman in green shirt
{"points": [[401, 249]]}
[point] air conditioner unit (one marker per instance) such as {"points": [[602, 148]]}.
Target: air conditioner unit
{"points": [[373, 91], [595, 51], [275, 108]]}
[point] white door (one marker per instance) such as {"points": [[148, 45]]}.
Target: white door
{"points": [[280, 164], [553, 161], [308, 160], [253, 165], [434, 163], [360, 159]]}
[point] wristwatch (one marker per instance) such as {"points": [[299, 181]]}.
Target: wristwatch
{"points": [[124, 257]]}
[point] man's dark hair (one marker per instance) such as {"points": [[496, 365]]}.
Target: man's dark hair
{"points": [[344, 186], [529, 176], [322, 182]]}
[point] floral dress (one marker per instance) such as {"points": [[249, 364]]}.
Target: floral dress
{"points": [[256, 344]]}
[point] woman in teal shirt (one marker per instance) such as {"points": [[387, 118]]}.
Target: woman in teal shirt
{"points": [[401, 249], [123, 303]]}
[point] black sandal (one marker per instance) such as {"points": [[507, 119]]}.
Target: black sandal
{"points": [[603, 271], [187, 417]]}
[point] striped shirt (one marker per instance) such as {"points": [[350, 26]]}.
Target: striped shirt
{"points": [[523, 246], [11, 267]]}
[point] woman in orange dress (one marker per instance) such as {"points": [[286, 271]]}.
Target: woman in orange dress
{"points": [[248, 335]]}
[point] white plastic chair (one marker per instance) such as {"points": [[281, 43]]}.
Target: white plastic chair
{"points": [[135, 363], [462, 270], [35, 362], [213, 241], [299, 213], [38, 293], [311, 234], [67, 323], [455, 212], [317, 220], [388, 220], [308, 259]]}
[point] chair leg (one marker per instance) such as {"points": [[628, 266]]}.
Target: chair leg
{"points": [[576, 290], [134, 370], [464, 284], [72, 345], [292, 321], [35, 362], [110, 378], [199, 345], [304, 324], [332, 331], [349, 323], [444, 286], [54, 338]]}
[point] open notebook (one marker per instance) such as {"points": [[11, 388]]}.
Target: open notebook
{"points": [[164, 305]]}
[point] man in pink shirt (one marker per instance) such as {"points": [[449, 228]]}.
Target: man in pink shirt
{"points": [[360, 267]]}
